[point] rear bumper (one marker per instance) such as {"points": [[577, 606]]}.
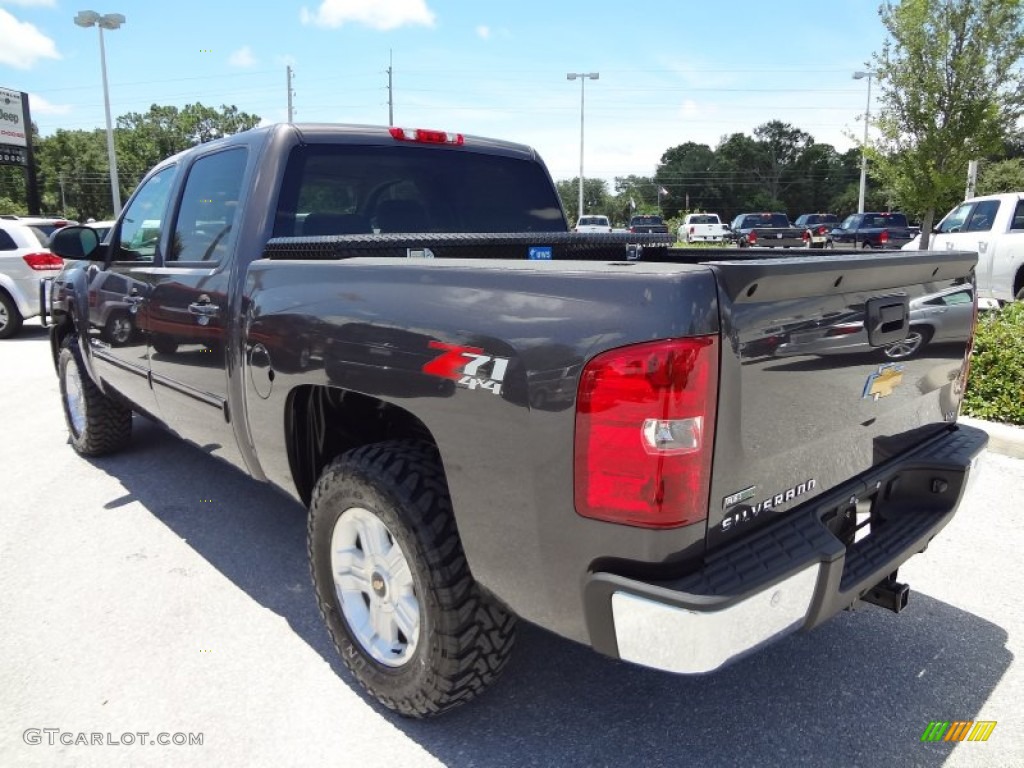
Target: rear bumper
{"points": [[790, 575]]}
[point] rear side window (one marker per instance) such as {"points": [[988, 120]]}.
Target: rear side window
{"points": [[331, 190], [205, 226], [983, 216], [6, 241]]}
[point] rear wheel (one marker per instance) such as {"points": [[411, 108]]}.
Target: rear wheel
{"points": [[393, 584], [10, 317], [908, 347], [97, 424]]}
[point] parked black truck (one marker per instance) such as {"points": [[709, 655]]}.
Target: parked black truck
{"points": [[769, 230], [490, 417], [872, 230]]}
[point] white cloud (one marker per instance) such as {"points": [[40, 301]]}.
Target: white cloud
{"points": [[23, 44], [41, 106], [484, 32], [377, 14], [242, 58], [36, 3]]}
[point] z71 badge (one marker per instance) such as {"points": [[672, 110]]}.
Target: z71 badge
{"points": [[468, 367]]}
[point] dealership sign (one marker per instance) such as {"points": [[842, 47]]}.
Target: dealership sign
{"points": [[13, 128], [12, 119]]}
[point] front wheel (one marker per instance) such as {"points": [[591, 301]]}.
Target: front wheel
{"points": [[97, 424], [393, 584]]}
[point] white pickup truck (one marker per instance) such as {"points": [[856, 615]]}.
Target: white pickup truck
{"points": [[993, 226], [702, 227]]}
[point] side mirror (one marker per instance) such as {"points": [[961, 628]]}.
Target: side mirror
{"points": [[76, 243]]}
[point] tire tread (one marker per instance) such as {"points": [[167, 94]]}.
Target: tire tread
{"points": [[475, 635]]}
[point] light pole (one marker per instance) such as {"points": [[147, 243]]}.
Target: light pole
{"points": [[864, 149], [106, 21], [583, 77]]}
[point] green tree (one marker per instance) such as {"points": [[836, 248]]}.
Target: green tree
{"points": [[595, 197], [1001, 176], [686, 172], [952, 90], [144, 139]]}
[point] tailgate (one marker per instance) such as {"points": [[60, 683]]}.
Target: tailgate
{"points": [[808, 396]]}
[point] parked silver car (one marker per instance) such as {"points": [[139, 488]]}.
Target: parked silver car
{"points": [[945, 316]]}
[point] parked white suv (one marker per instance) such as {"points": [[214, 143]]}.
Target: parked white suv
{"points": [[24, 262], [593, 224]]}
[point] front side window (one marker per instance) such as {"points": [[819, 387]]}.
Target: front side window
{"points": [[954, 222], [205, 226], [143, 219]]}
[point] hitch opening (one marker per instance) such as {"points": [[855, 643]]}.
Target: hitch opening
{"points": [[888, 593]]}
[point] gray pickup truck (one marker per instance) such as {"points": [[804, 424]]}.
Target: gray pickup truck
{"points": [[489, 417]]}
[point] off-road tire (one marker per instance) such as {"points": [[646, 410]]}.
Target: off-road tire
{"points": [[10, 317], [107, 424], [465, 638]]}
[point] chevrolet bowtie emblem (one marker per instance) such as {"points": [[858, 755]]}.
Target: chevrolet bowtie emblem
{"points": [[882, 382]]}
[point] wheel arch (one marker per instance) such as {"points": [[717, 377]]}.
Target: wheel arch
{"points": [[322, 422], [1018, 283]]}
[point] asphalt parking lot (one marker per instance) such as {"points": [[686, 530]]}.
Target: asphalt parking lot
{"points": [[159, 591]]}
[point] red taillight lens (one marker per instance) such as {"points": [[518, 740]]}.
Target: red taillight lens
{"points": [[424, 136], [806, 236], [821, 231], [752, 237], [845, 330], [692, 229], [645, 424], [43, 261], [883, 238]]}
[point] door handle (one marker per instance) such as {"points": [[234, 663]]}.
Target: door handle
{"points": [[203, 309]]}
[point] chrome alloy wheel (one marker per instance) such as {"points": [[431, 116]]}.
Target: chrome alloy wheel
{"points": [[374, 586], [905, 348], [74, 398]]}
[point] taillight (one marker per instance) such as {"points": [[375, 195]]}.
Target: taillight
{"points": [[645, 425], [752, 237], [43, 261], [883, 238], [632, 229], [845, 330], [821, 230], [805, 236], [692, 229], [425, 136]]}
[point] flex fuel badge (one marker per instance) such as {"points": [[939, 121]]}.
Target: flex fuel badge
{"points": [[468, 367]]}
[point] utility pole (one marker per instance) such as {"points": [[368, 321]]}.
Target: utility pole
{"points": [[291, 112], [972, 178], [391, 92]]}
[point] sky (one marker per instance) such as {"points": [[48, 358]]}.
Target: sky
{"points": [[668, 72]]}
